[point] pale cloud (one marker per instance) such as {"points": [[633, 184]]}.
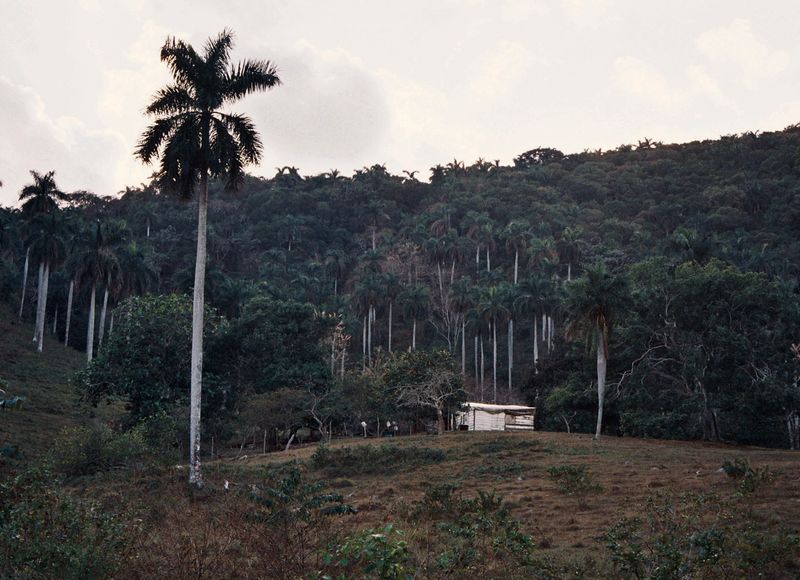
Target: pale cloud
{"points": [[736, 44], [35, 140], [704, 84], [502, 69], [636, 77], [588, 13]]}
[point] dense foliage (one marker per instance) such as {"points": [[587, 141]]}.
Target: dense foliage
{"points": [[482, 261]]}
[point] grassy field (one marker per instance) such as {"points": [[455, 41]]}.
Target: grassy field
{"points": [[517, 465], [51, 403]]}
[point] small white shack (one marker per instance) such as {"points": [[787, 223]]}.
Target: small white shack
{"points": [[487, 417]]}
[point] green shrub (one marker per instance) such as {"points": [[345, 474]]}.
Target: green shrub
{"points": [[373, 553], [366, 459], [750, 479], [46, 533], [573, 480], [88, 450]]}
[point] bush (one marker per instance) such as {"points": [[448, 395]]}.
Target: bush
{"points": [[46, 533], [88, 450], [367, 459], [373, 553], [573, 480]]}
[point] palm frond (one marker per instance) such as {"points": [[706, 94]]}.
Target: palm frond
{"points": [[244, 131], [171, 100], [226, 153], [247, 77], [184, 63], [154, 136], [217, 52]]}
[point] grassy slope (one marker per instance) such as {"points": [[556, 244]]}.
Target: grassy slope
{"points": [[44, 380], [516, 465]]}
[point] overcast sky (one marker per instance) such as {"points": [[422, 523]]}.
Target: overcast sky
{"points": [[407, 83]]}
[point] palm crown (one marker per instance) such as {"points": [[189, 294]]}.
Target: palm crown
{"points": [[191, 134]]}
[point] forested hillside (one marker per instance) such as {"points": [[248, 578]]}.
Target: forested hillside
{"points": [[678, 263]]}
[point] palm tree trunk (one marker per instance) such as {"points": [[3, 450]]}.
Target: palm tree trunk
{"points": [[390, 326], [333, 354], [544, 328], [414, 335], [601, 379], [463, 348], [24, 281], [369, 335], [510, 351], [90, 326], [55, 322], [148, 227], [569, 271], [476, 360], [102, 331], [42, 309], [535, 346], [198, 307], [488, 263], [516, 266], [38, 299], [494, 361], [69, 311], [111, 325], [477, 258], [483, 369], [364, 342]]}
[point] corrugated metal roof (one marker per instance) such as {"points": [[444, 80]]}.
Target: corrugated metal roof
{"points": [[496, 408]]}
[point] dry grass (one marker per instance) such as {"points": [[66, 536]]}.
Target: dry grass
{"points": [[516, 466]]}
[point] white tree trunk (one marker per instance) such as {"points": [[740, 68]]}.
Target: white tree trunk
{"points": [[42, 309], [463, 348], [488, 262], [516, 266], [494, 361], [414, 335], [477, 376], [477, 258], [148, 227], [601, 380], [69, 311], [390, 326], [369, 335], [198, 307], [38, 300], [483, 369], [333, 354], [24, 281], [569, 271], [510, 351], [544, 329], [535, 346], [102, 331], [55, 322], [364, 341], [90, 326], [111, 325]]}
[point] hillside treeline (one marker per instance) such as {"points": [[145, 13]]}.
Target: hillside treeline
{"points": [[688, 254]]}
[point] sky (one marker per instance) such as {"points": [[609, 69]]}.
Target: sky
{"points": [[408, 84]]}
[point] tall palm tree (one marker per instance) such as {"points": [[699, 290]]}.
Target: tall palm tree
{"points": [[47, 245], [392, 289], [568, 247], [592, 304], [95, 258], [40, 197], [492, 308], [516, 235], [461, 299], [195, 139], [532, 299], [416, 306]]}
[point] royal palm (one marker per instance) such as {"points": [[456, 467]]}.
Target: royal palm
{"points": [[196, 140]]}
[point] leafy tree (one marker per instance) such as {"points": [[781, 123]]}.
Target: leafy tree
{"points": [[195, 140], [593, 303], [426, 379]]}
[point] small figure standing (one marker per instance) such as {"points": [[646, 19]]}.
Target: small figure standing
{"points": [[364, 427]]}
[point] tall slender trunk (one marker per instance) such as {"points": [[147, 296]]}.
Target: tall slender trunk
{"points": [[544, 328], [414, 335], [494, 361], [111, 325], [439, 421], [488, 262], [510, 351], [483, 370], [364, 342], [535, 346], [42, 308], [55, 322], [463, 348], [148, 227], [90, 326], [333, 355], [551, 334], [452, 271], [569, 271], [38, 300], [198, 306], [602, 362], [477, 376], [369, 335], [102, 332], [477, 258], [516, 266], [336, 286], [69, 311], [24, 281], [390, 326], [344, 354]]}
